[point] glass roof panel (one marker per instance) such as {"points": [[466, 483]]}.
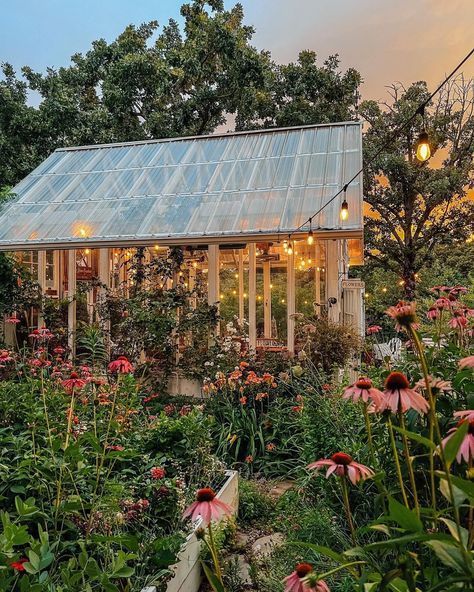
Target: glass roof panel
{"points": [[232, 184]]}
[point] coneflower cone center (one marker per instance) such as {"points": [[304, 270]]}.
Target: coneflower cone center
{"points": [[341, 458], [74, 375], [205, 495], [396, 381], [364, 384], [303, 569]]}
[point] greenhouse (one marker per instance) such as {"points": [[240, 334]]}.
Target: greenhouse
{"points": [[237, 204]]}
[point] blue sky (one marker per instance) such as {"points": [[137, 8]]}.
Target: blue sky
{"points": [[387, 40]]}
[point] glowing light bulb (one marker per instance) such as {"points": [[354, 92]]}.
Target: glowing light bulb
{"points": [[344, 210], [310, 238], [290, 249], [423, 150], [87, 251], [384, 289], [283, 301], [195, 264], [309, 262]]}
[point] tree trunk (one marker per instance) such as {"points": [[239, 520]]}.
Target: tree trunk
{"points": [[409, 284]]}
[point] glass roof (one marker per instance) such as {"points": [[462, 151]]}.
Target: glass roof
{"points": [[224, 185]]}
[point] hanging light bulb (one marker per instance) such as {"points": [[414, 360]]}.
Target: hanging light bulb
{"points": [[290, 249], [423, 150], [285, 245], [310, 238]]}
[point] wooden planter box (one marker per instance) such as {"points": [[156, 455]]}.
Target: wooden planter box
{"points": [[187, 570]]}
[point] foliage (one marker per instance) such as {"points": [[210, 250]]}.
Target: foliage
{"points": [[255, 506], [416, 207], [80, 502], [182, 81]]}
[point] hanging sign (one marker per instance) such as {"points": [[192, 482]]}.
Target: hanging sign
{"points": [[352, 284]]}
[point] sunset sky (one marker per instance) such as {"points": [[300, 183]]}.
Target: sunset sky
{"points": [[403, 40]]}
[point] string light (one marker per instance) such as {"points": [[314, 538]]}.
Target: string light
{"points": [[423, 149], [289, 250], [384, 289], [389, 140], [345, 206], [310, 238]]}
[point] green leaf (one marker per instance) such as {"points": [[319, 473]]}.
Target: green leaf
{"points": [[403, 516], [458, 495], [416, 437], [212, 579], [448, 554], [462, 484], [453, 444], [326, 551], [454, 531]]}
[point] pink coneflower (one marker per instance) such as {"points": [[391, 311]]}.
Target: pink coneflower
{"points": [[373, 329], [466, 362], [435, 383], [13, 320], [74, 382], [208, 507], [440, 289], [458, 320], [399, 395], [465, 414], [363, 389], [404, 314], [466, 450], [58, 350], [5, 356], [342, 464], [433, 313], [297, 581], [41, 333], [157, 472], [121, 365], [39, 363], [457, 290], [443, 303]]}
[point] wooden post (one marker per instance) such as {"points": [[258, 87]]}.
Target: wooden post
{"points": [[213, 276], [192, 285], [267, 300], [104, 279], [317, 278], [71, 310], [241, 287], [252, 296], [291, 301], [41, 282], [332, 280]]}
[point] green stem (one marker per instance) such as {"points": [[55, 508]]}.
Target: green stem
{"points": [[66, 444], [336, 569], [409, 461], [397, 461], [446, 466], [368, 428], [347, 507], [215, 558]]}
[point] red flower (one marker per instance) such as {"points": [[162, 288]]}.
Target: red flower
{"points": [[363, 389], [116, 447], [121, 365], [73, 383], [18, 565], [13, 320], [249, 459], [157, 472]]}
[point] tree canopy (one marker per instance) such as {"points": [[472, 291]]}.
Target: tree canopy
{"points": [[181, 80], [414, 206]]}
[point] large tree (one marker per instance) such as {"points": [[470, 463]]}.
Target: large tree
{"points": [[417, 206], [180, 81]]}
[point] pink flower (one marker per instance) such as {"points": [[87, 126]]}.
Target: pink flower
{"points": [[457, 290], [207, 506], [466, 362], [297, 581], [433, 313], [404, 314], [399, 395], [5, 356], [465, 414], [115, 447], [466, 450], [443, 303], [435, 383], [121, 365], [13, 320], [458, 321], [157, 472], [373, 329], [58, 350], [342, 464], [41, 333], [363, 389], [73, 383]]}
